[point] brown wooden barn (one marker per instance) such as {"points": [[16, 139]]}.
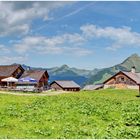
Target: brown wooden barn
{"points": [[10, 71], [124, 79], [40, 75], [65, 85]]}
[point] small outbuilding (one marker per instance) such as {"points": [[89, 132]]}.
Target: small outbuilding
{"points": [[65, 85], [93, 87]]}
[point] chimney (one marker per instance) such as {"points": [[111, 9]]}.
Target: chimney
{"points": [[133, 69], [28, 68]]}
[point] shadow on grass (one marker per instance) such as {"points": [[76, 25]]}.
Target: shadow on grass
{"points": [[137, 95]]}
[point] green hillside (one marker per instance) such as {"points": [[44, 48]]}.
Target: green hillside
{"points": [[94, 114], [133, 60], [126, 65]]}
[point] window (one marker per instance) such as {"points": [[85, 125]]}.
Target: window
{"points": [[121, 79]]}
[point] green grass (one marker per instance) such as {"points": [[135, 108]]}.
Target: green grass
{"points": [[91, 114]]}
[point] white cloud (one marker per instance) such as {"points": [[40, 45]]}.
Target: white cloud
{"points": [[16, 17], [66, 44], [74, 43], [4, 49], [77, 51], [7, 56], [12, 59], [121, 37]]}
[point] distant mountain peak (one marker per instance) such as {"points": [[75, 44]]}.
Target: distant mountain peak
{"points": [[126, 65], [134, 58], [134, 55], [64, 66]]}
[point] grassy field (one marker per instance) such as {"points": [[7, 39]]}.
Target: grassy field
{"points": [[92, 114]]}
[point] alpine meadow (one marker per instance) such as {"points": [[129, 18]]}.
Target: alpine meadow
{"points": [[87, 114]]}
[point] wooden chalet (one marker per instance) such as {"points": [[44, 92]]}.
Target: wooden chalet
{"points": [[10, 71], [65, 85], [40, 75], [124, 79]]}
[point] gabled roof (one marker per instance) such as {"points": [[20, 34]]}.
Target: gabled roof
{"points": [[93, 87], [133, 76], [8, 70], [66, 84], [35, 74]]}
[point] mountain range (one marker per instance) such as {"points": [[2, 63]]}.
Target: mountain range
{"points": [[64, 72], [95, 76]]}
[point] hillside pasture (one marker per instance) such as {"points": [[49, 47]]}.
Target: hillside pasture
{"points": [[88, 114]]}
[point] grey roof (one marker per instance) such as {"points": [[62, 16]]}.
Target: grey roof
{"points": [[67, 84], [133, 76], [92, 87]]}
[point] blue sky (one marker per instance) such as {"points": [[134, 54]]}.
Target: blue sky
{"points": [[80, 34]]}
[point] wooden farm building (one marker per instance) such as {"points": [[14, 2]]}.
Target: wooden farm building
{"points": [[10, 71], [18, 72], [65, 85], [40, 75], [124, 79]]}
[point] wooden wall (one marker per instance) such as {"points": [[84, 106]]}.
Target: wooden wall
{"points": [[43, 81], [19, 71], [56, 86], [117, 80]]}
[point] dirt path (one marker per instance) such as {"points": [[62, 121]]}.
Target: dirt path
{"points": [[49, 93]]}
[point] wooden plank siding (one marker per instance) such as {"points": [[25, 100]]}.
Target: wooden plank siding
{"points": [[117, 80], [120, 80], [56, 86], [16, 74], [44, 80]]}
